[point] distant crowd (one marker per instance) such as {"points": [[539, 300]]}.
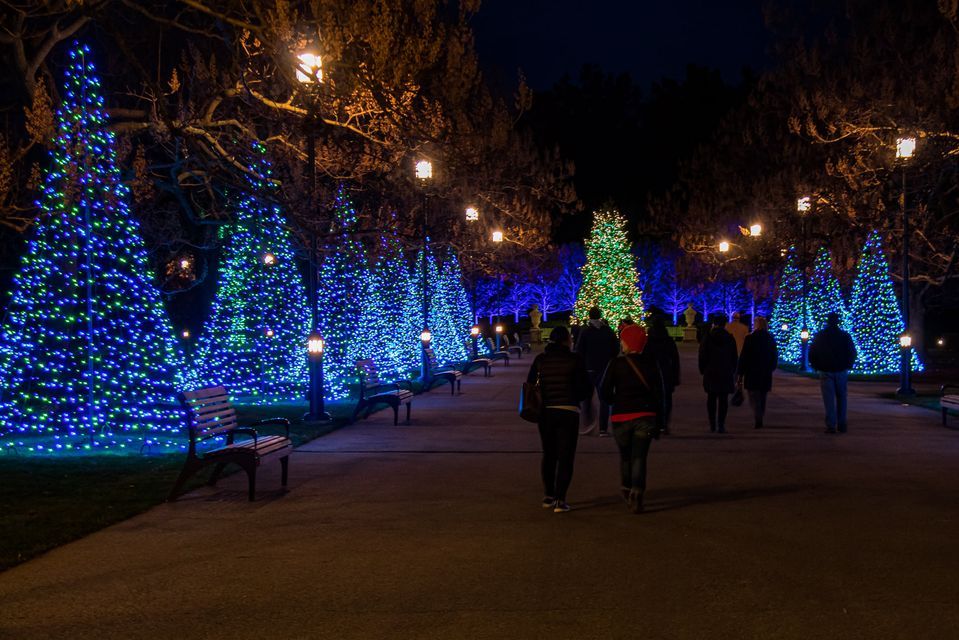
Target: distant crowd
{"points": [[622, 382]]}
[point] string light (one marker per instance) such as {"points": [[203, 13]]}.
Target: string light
{"points": [[787, 322], [609, 275], [88, 358], [824, 295]]}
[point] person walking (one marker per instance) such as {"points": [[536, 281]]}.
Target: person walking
{"points": [[662, 348], [832, 353], [757, 361], [598, 345], [717, 364], [738, 331], [563, 384], [633, 387]]}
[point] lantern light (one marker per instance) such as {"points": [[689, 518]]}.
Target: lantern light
{"points": [[804, 334], [905, 341], [497, 236], [785, 327], [905, 148], [941, 342], [315, 345], [755, 230], [426, 335], [723, 247], [268, 332], [803, 204], [424, 170], [499, 328], [474, 330], [185, 263], [185, 334], [269, 259], [472, 214], [310, 69]]}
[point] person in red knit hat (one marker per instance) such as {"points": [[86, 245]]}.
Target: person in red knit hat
{"points": [[633, 386]]}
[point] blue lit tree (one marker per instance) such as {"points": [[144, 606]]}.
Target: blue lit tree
{"points": [[824, 295], [450, 312], [394, 343], [87, 355], [253, 343], [343, 291], [787, 322], [875, 318]]}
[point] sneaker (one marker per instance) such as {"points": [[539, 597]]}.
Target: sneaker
{"points": [[561, 506], [722, 429], [548, 502], [712, 428], [842, 429], [604, 434], [623, 491]]}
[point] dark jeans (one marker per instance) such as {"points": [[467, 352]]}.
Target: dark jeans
{"points": [[714, 401], [596, 377], [633, 438], [833, 386], [668, 401], [757, 400], [558, 431]]}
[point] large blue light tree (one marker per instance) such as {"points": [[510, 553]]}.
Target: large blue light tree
{"points": [[254, 341], [787, 321], [87, 355], [825, 295]]}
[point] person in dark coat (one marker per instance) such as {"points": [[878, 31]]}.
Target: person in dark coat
{"points": [[758, 360], [833, 353], [563, 384], [598, 345], [662, 348], [633, 386], [717, 364]]}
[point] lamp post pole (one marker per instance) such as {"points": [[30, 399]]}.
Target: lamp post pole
{"points": [[424, 173], [904, 151]]}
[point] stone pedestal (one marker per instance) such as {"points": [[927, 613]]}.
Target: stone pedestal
{"points": [[689, 334], [536, 335]]}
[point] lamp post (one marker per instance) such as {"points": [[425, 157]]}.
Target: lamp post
{"points": [[905, 148], [424, 174], [803, 205], [314, 351], [474, 334], [309, 72]]}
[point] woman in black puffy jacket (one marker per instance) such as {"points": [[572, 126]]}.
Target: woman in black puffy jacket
{"points": [[563, 384], [633, 386]]}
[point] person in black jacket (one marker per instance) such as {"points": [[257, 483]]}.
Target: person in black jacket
{"points": [[717, 364], [563, 384], [758, 360], [833, 353], [662, 348], [598, 345], [633, 386]]}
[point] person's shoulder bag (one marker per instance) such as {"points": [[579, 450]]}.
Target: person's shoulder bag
{"points": [[531, 401]]}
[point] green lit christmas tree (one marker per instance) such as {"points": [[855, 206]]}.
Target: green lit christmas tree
{"points": [[824, 295], [609, 275], [875, 319], [254, 341], [787, 322], [87, 355]]}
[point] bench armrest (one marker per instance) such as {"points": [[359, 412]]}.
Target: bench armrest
{"points": [[277, 421], [942, 389], [408, 383], [250, 431]]}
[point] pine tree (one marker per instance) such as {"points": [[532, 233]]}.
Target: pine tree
{"points": [[824, 295], [343, 291], [87, 353], [450, 313], [394, 345], [253, 343], [786, 322], [875, 318], [609, 275]]}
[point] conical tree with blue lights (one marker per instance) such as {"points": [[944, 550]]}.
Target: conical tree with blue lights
{"points": [[787, 322], [88, 360], [450, 312], [344, 290], [254, 342], [824, 295], [875, 318]]}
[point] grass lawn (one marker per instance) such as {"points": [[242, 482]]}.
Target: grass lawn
{"points": [[46, 502]]}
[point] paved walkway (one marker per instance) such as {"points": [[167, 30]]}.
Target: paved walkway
{"points": [[434, 530]]}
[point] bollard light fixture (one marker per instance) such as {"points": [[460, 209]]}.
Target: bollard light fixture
{"points": [[426, 335], [315, 345], [905, 341]]}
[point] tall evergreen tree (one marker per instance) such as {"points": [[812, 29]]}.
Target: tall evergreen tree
{"points": [[609, 275], [824, 295], [787, 321], [87, 353], [393, 342], [450, 313], [875, 318], [254, 341]]}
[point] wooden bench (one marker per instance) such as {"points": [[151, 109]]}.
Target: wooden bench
{"points": [[493, 354], [948, 400], [211, 414], [374, 392], [525, 342], [446, 372], [476, 361]]}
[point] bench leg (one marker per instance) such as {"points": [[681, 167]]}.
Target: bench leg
{"points": [[459, 385], [396, 413], [453, 386], [285, 469], [217, 470], [356, 411], [407, 413], [944, 412], [188, 470], [250, 468]]}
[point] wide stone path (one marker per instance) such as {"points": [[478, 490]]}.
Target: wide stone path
{"points": [[434, 530]]}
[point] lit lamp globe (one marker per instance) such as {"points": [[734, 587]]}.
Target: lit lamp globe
{"points": [[785, 327], [905, 148], [804, 334], [474, 331], [755, 230], [472, 214], [269, 259], [723, 247], [905, 341], [185, 263], [497, 236], [424, 170], [803, 204], [499, 328], [310, 68], [185, 334], [269, 333], [315, 345], [425, 336], [941, 342]]}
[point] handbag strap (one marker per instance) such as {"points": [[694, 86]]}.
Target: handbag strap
{"points": [[639, 373]]}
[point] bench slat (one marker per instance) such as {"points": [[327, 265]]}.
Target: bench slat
{"points": [[200, 394]]}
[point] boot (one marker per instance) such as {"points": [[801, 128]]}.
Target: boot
{"points": [[636, 501]]}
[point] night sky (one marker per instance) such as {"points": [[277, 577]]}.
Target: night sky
{"points": [[649, 39]]}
